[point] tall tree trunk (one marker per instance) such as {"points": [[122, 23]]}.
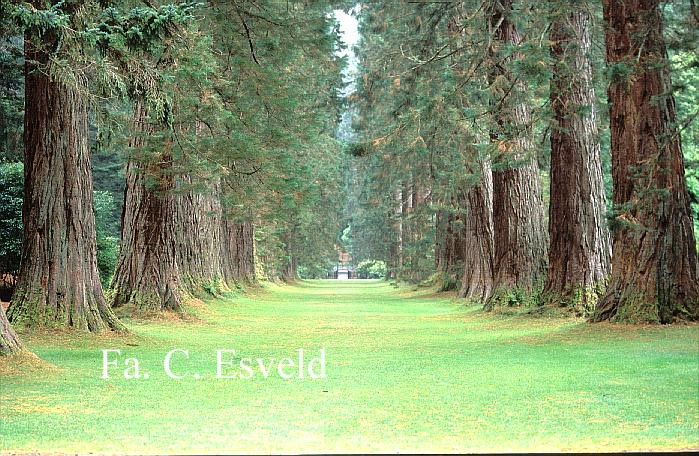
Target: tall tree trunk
{"points": [[476, 249], [400, 231], [175, 240], [465, 244], [580, 249], [518, 218], [214, 248], [289, 269], [9, 342], [449, 250], [58, 280], [477, 239], [199, 216], [197, 247], [443, 257], [147, 273], [654, 267], [237, 251]]}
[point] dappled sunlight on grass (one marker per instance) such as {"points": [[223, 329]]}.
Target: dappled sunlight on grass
{"points": [[406, 371]]}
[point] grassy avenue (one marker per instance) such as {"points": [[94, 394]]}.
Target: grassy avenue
{"points": [[405, 370]]}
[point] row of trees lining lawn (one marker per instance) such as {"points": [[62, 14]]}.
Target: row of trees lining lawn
{"points": [[481, 115], [223, 118], [475, 118]]}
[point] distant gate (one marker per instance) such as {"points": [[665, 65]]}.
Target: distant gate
{"points": [[343, 270]]}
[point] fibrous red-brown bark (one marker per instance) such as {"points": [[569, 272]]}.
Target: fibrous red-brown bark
{"points": [[9, 342], [449, 250], [518, 219], [147, 273], [654, 266], [580, 250], [58, 281], [185, 243], [469, 233], [175, 240], [214, 248], [237, 251], [464, 247], [477, 239]]}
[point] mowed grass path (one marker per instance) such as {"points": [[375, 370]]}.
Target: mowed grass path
{"points": [[406, 371]]}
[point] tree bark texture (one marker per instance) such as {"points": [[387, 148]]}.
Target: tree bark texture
{"points": [[58, 281], [518, 218], [580, 248], [465, 240], [474, 240], [289, 268], [477, 239], [175, 241], [148, 274], [9, 342], [449, 250], [654, 267], [237, 251]]}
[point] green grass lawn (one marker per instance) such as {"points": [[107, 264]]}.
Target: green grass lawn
{"points": [[406, 371]]}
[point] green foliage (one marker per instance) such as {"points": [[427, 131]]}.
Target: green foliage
{"points": [[108, 176], [11, 98], [506, 300], [107, 243], [226, 92], [140, 28], [11, 92], [11, 197], [43, 20], [685, 75], [372, 269], [212, 287], [620, 71], [314, 271], [426, 112], [358, 149], [12, 194], [230, 103]]}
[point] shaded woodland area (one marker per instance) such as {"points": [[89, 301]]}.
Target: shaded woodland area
{"points": [[535, 155]]}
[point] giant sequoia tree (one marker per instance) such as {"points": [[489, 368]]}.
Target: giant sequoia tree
{"points": [[519, 235], [58, 282], [654, 268], [579, 251], [475, 235], [72, 49], [416, 109], [216, 148], [152, 232], [175, 240], [234, 154], [477, 239]]}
